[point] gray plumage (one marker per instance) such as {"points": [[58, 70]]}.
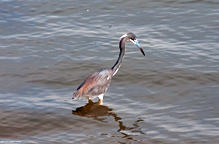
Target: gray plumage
{"points": [[95, 85]]}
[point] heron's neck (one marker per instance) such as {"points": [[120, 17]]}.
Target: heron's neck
{"points": [[117, 65]]}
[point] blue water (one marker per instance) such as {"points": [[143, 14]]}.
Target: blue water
{"points": [[47, 49]]}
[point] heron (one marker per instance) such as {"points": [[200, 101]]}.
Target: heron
{"points": [[97, 84]]}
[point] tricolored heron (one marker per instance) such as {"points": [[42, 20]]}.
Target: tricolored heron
{"points": [[97, 83]]}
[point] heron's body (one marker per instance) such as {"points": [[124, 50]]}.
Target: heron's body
{"points": [[97, 83]]}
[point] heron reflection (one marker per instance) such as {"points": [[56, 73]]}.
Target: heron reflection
{"points": [[99, 112], [94, 110]]}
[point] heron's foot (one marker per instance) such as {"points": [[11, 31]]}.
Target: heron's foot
{"points": [[89, 100], [100, 101]]}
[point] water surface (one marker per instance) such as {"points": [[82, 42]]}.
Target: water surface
{"points": [[47, 48]]}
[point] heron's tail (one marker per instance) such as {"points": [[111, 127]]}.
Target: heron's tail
{"points": [[76, 95]]}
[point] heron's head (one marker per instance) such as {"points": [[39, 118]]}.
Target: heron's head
{"points": [[132, 38]]}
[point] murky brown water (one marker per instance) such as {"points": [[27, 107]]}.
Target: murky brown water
{"points": [[47, 48]]}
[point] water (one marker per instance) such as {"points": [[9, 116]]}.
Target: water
{"points": [[47, 48]]}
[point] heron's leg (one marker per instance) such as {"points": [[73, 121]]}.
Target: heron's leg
{"points": [[89, 100], [100, 101]]}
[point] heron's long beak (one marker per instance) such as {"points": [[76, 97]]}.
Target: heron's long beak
{"points": [[138, 45]]}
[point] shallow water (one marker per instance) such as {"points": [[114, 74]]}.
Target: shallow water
{"points": [[47, 48]]}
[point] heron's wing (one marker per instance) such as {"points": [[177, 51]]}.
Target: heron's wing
{"points": [[96, 90], [80, 86], [92, 86], [82, 89], [88, 84]]}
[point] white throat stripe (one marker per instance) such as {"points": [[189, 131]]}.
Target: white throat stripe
{"points": [[125, 35]]}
